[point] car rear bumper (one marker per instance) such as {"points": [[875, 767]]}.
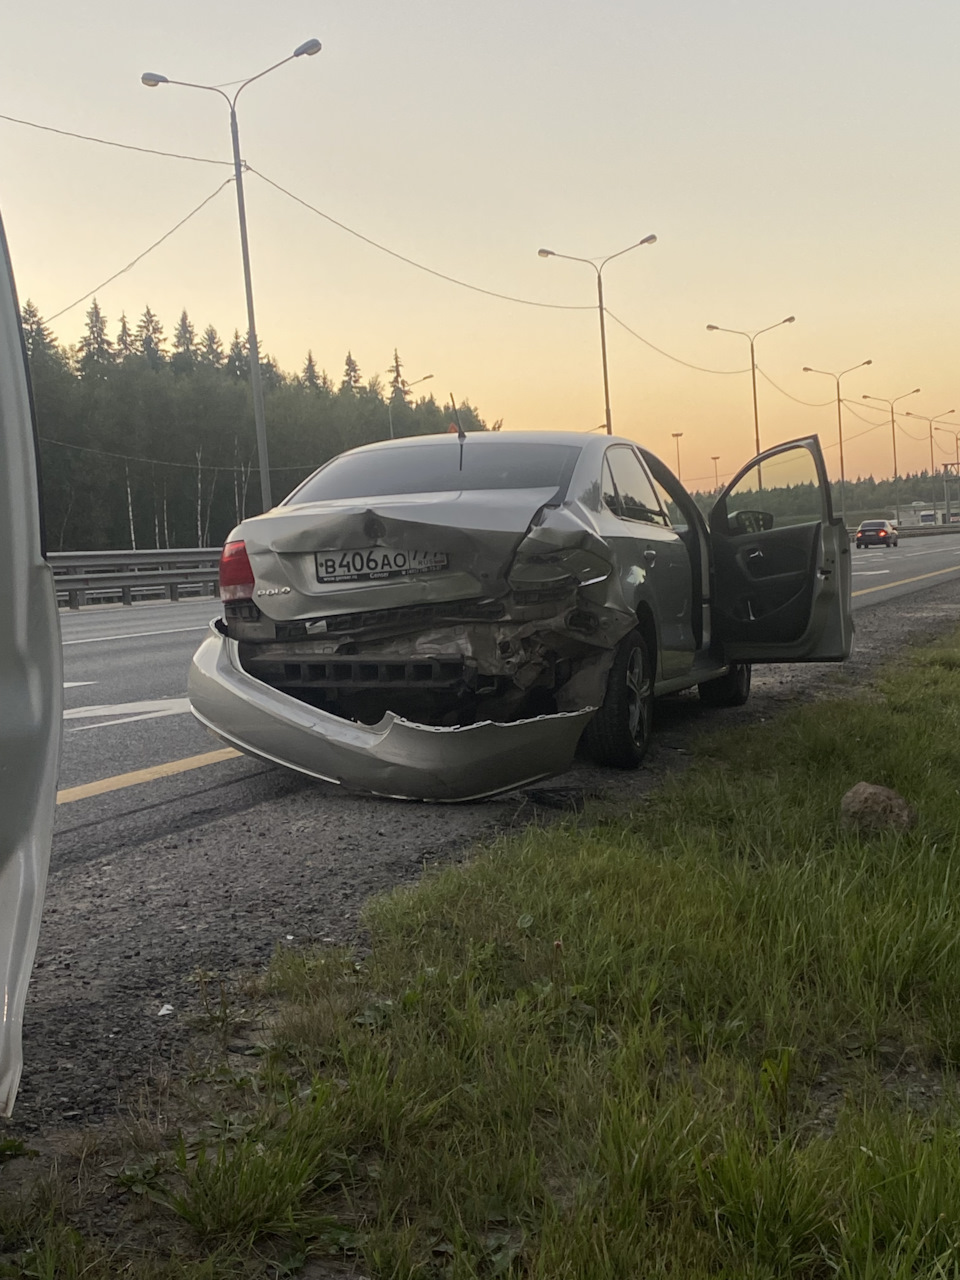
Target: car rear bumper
{"points": [[394, 758]]}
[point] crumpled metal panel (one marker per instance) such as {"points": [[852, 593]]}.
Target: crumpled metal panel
{"points": [[394, 758], [479, 531], [31, 692]]}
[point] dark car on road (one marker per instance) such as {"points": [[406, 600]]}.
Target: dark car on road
{"points": [[877, 533]]}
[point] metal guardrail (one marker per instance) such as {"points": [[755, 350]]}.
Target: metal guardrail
{"points": [[86, 577]]}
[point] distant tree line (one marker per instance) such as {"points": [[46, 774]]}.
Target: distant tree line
{"points": [[147, 446], [864, 498]]}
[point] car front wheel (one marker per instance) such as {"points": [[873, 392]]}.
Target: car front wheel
{"points": [[731, 690], [619, 733]]}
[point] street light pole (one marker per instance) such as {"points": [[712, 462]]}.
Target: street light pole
{"points": [[946, 467], [676, 435], [836, 377], [956, 440], [751, 338], [406, 386], [893, 436], [550, 253], [151, 79], [933, 466], [715, 459]]}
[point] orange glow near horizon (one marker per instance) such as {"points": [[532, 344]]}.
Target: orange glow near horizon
{"points": [[467, 140]]}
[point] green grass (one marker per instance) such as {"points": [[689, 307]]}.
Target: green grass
{"points": [[714, 1036]]}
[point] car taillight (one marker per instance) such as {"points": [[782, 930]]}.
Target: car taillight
{"points": [[881, 533], [236, 575]]}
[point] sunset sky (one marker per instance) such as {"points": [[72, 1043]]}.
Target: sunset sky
{"points": [[791, 158]]}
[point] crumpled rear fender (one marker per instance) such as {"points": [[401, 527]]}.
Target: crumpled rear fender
{"points": [[394, 758]]}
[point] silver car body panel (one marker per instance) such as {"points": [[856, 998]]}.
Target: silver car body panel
{"points": [[394, 758], [528, 589], [31, 692]]}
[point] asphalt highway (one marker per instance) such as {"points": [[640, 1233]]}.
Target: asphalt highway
{"points": [[175, 857], [136, 764]]}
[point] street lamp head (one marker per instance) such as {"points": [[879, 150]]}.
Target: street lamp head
{"points": [[866, 362], [789, 320], [309, 47], [546, 253], [649, 240], [807, 369], [713, 327], [676, 434], [151, 79]]}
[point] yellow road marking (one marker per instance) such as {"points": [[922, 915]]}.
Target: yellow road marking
{"points": [[865, 591], [145, 775]]}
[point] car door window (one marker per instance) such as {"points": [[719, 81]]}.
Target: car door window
{"points": [[672, 513], [781, 561], [779, 493], [608, 490], [637, 497]]}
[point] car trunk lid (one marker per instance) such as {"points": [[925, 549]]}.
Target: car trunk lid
{"points": [[354, 555]]}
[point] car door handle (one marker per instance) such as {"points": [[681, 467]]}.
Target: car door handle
{"points": [[650, 556], [755, 555]]}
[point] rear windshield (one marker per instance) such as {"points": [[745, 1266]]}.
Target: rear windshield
{"points": [[874, 524], [436, 468]]}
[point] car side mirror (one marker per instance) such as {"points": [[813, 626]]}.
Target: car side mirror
{"points": [[749, 521]]}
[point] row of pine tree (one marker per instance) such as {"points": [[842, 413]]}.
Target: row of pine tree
{"points": [[147, 443]]}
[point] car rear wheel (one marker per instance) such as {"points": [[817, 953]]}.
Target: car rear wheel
{"points": [[731, 690], [619, 734]]}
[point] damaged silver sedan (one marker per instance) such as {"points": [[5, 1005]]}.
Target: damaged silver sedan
{"points": [[444, 618]]}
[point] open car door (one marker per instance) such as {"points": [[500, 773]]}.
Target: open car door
{"points": [[781, 581], [31, 690]]}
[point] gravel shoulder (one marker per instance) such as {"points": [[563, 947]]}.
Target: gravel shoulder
{"points": [[127, 930]]}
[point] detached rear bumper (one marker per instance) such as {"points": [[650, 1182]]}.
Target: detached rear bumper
{"points": [[395, 758]]}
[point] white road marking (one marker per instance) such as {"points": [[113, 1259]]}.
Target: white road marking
{"points": [[77, 684], [129, 710], [869, 573], [132, 635], [105, 724]]}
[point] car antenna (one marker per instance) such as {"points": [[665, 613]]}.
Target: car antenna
{"points": [[461, 434]]}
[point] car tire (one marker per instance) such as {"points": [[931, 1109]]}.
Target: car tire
{"points": [[731, 690], [619, 734], [859, 545]]}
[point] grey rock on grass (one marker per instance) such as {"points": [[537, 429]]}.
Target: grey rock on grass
{"points": [[868, 807]]}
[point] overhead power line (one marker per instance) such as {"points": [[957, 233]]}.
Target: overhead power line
{"points": [[382, 248], [659, 350], [464, 284], [411, 262], [140, 256], [165, 462], [810, 404], [107, 142]]}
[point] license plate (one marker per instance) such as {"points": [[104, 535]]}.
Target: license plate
{"points": [[368, 564]]}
